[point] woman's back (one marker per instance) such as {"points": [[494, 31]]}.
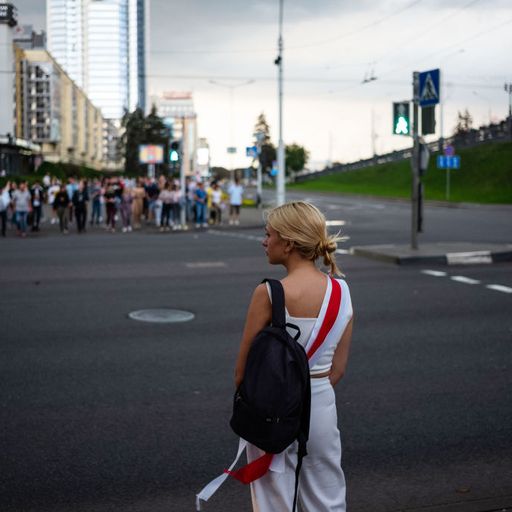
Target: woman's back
{"points": [[305, 292]]}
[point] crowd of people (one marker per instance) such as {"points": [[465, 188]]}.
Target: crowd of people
{"points": [[118, 202]]}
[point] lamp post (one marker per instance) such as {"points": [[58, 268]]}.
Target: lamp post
{"points": [[280, 150], [231, 88]]}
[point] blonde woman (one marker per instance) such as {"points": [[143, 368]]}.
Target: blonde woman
{"points": [[296, 237]]}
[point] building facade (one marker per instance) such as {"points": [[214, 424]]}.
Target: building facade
{"points": [[52, 111], [177, 110], [102, 45]]}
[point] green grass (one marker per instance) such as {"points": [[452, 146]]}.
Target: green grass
{"points": [[485, 176]]}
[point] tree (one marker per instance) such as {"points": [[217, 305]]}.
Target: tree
{"points": [[464, 123], [267, 149], [296, 157], [141, 130]]}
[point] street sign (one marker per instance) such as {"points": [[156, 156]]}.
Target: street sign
{"points": [[448, 162], [449, 150], [429, 87], [251, 151]]}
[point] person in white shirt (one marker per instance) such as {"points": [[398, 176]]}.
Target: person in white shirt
{"points": [[236, 192]]}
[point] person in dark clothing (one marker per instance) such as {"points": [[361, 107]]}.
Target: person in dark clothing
{"points": [[62, 204], [80, 199], [111, 205], [37, 197]]}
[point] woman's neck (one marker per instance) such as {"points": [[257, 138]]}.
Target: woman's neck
{"points": [[295, 264]]}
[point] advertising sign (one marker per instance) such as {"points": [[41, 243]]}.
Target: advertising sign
{"points": [[150, 154]]}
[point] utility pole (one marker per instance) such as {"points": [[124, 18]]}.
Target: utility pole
{"points": [[508, 88], [280, 151], [415, 161]]}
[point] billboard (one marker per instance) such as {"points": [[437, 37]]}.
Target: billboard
{"points": [[150, 154]]}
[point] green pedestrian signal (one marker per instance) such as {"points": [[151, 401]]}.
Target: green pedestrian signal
{"points": [[401, 118]]}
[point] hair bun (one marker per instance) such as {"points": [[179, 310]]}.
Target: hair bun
{"points": [[326, 246]]}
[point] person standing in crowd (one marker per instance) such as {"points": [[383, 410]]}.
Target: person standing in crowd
{"points": [[165, 197], [22, 207], [191, 200], [216, 210], [126, 209], [138, 195], [176, 207], [70, 189], [52, 191], [79, 201], [96, 202], [152, 192], [62, 204], [47, 181], [200, 199], [236, 192], [5, 202], [37, 198], [111, 204]]}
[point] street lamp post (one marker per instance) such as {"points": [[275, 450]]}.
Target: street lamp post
{"points": [[280, 150]]}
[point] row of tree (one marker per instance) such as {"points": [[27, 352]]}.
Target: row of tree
{"points": [[140, 129]]}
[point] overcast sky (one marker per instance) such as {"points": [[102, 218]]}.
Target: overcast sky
{"points": [[330, 47]]}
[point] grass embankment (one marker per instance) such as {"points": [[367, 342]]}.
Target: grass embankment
{"points": [[485, 176]]}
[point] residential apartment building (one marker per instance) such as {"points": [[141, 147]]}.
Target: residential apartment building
{"points": [[52, 111]]}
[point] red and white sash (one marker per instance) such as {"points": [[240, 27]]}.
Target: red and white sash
{"points": [[328, 328]]}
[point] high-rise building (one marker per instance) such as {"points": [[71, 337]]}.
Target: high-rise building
{"points": [[102, 46]]}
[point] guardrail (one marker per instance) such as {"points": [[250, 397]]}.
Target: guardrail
{"points": [[475, 137]]}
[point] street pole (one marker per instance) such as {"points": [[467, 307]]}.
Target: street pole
{"points": [[415, 161], [280, 152], [508, 88], [183, 212]]}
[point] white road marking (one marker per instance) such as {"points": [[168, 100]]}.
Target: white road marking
{"points": [[499, 288], [466, 280], [205, 264], [343, 251], [435, 273], [468, 258], [335, 223]]}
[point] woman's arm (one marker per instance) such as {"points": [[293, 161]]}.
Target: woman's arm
{"points": [[259, 315], [339, 360]]}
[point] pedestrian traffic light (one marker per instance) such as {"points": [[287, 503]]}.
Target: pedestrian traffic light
{"points": [[401, 119], [174, 153], [428, 120]]}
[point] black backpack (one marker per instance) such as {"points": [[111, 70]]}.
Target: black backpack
{"points": [[272, 405]]}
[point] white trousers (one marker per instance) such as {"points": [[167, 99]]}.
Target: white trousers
{"points": [[321, 481]]}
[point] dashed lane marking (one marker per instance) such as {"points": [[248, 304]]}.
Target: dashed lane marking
{"points": [[499, 288], [205, 264], [463, 279], [467, 280], [435, 273]]}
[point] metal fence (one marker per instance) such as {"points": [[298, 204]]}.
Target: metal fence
{"points": [[474, 137]]}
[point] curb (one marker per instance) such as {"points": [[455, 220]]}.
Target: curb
{"points": [[449, 258]]}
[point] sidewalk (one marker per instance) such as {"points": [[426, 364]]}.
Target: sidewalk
{"points": [[443, 253]]}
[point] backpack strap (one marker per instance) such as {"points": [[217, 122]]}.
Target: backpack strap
{"points": [[278, 312]]}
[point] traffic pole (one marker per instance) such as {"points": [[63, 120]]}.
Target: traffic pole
{"points": [[280, 150], [415, 162]]}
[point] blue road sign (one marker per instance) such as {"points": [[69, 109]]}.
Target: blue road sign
{"points": [[448, 162], [429, 88], [251, 151]]}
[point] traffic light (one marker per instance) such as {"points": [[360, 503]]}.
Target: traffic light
{"points": [[428, 120], [174, 153], [401, 118]]}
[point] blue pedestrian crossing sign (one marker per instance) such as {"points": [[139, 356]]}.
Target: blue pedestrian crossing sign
{"points": [[448, 162], [429, 88]]}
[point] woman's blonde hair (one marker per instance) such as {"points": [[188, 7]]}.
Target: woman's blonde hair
{"points": [[304, 224]]}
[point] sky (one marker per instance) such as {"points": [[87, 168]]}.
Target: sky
{"points": [[223, 51]]}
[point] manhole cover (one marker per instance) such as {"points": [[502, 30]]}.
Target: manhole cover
{"points": [[161, 316]]}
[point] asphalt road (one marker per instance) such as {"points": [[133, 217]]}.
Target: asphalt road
{"points": [[102, 413]]}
